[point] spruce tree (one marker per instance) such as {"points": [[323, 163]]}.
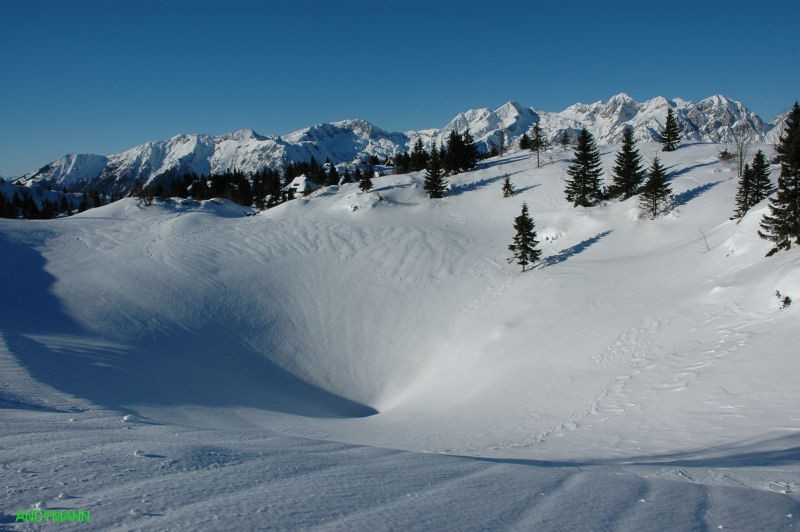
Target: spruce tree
{"points": [[471, 155], [508, 187], [782, 225], [524, 142], [524, 250], [584, 189], [761, 185], [627, 172], [454, 155], [435, 183], [538, 142], [744, 192], [565, 140], [671, 134], [365, 181], [419, 157], [656, 192], [333, 176]]}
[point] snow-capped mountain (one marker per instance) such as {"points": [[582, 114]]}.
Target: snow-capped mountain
{"points": [[710, 120]]}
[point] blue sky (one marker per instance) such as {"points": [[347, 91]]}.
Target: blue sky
{"points": [[101, 77]]}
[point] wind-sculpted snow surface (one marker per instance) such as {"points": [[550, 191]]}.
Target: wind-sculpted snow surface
{"points": [[185, 366]]}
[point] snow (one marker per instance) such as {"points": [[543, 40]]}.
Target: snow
{"points": [[353, 360], [713, 119]]}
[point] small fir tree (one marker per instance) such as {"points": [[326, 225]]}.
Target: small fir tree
{"points": [[584, 189], [782, 225], [627, 172], [524, 249], [656, 192], [508, 187], [435, 183], [671, 134]]}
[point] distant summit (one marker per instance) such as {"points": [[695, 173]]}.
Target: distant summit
{"points": [[710, 120]]}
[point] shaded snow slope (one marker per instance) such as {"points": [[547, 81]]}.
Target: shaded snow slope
{"points": [[642, 376]]}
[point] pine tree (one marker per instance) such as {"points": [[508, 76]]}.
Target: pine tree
{"points": [[584, 189], [671, 135], [508, 187], [435, 184], [524, 250], [538, 142], [782, 225], [744, 192], [656, 192], [761, 185], [627, 172]]}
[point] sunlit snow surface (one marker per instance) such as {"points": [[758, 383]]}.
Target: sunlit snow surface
{"points": [[371, 361]]}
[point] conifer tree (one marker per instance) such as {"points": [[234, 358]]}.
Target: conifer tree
{"points": [[744, 191], [584, 189], [471, 155], [435, 183], [782, 225], [754, 185], [656, 192], [671, 135], [761, 185], [538, 142], [365, 183], [524, 142], [508, 187], [523, 249], [565, 140], [627, 172], [419, 157], [333, 176]]}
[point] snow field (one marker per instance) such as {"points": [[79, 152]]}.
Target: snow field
{"points": [[642, 377]]}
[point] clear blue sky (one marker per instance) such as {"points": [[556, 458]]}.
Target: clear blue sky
{"points": [[101, 77]]}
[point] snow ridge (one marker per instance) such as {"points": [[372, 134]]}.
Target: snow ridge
{"points": [[713, 119]]}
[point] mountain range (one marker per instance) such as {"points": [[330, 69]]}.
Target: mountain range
{"points": [[349, 141]]}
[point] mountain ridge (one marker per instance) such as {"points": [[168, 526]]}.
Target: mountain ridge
{"points": [[712, 119]]}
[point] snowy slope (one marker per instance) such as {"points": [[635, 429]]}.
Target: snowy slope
{"points": [[643, 377], [710, 120]]}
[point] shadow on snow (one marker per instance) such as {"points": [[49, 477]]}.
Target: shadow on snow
{"points": [[685, 197], [174, 366], [570, 252]]}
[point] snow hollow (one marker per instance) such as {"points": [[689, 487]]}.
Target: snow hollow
{"points": [[357, 360]]}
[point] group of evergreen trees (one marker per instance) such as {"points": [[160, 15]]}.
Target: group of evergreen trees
{"points": [[23, 205], [585, 186], [754, 184], [782, 225], [460, 154]]}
